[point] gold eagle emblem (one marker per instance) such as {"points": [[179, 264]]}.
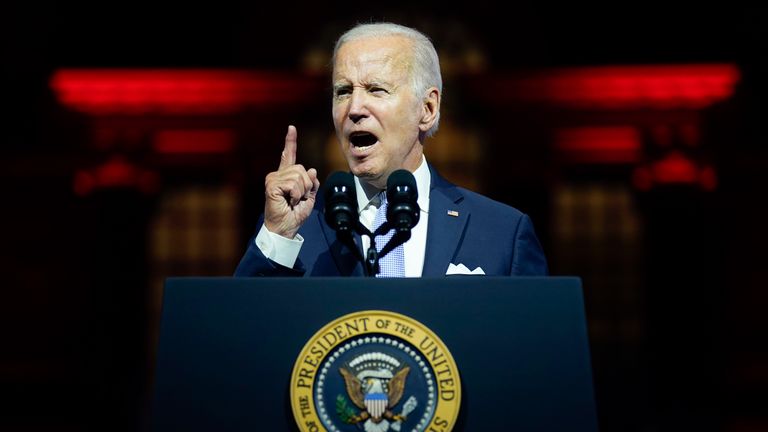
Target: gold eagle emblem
{"points": [[370, 396]]}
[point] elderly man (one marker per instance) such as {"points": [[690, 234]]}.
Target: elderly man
{"points": [[386, 102]]}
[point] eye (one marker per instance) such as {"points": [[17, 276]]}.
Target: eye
{"points": [[341, 91], [378, 90]]}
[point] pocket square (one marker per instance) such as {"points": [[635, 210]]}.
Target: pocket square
{"points": [[461, 269]]}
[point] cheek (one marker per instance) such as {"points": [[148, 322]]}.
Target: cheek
{"points": [[404, 124], [339, 108], [408, 110]]}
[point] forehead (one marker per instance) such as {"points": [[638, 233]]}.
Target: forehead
{"points": [[371, 57]]}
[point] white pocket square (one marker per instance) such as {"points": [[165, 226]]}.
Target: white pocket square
{"points": [[461, 269]]}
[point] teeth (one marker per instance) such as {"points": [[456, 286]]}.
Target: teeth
{"points": [[362, 139], [361, 145]]}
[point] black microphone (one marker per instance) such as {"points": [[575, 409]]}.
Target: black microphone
{"points": [[341, 202], [402, 197]]}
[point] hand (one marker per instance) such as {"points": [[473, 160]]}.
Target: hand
{"points": [[290, 192]]}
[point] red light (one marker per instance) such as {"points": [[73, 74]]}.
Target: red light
{"points": [[622, 87], [176, 92], [194, 141], [115, 173], [612, 144], [675, 168]]}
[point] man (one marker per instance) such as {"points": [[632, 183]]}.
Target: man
{"points": [[386, 102]]}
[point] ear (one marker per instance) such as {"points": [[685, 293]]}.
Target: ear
{"points": [[430, 109]]}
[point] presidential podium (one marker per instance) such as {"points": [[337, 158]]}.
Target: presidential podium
{"points": [[256, 354]]}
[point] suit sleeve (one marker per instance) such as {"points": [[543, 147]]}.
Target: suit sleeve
{"points": [[255, 263], [528, 257]]}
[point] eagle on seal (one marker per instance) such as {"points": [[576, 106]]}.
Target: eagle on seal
{"points": [[368, 394]]}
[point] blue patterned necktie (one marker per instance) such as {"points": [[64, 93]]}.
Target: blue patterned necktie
{"points": [[393, 263]]}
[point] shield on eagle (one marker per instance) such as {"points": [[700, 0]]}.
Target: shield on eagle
{"points": [[367, 390]]}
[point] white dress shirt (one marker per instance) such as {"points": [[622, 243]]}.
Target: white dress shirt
{"points": [[284, 251]]}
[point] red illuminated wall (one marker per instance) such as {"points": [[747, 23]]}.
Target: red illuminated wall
{"points": [[201, 93]]}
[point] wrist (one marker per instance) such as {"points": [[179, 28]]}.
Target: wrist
{"points": [[281, 231]]}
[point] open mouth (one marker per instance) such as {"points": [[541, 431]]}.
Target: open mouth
{"points": [[363, 139]]}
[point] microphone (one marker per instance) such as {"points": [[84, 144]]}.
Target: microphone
{"points": [[341, 202], [402, 197]]}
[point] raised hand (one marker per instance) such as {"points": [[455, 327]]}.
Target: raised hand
{"points": [[290, 192]]}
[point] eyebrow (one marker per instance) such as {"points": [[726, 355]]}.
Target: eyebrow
{"points": [[379, 83], [372, 83]]}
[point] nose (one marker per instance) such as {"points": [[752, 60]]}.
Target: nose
{"points": [[357, 106]]}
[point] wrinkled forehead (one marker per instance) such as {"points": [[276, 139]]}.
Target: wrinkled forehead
{"points": [[373, 58]]}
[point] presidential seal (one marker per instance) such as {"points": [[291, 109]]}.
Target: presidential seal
{"points": [[375, 371]]}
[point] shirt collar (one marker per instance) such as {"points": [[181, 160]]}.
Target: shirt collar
{"points": [[367, 194]]}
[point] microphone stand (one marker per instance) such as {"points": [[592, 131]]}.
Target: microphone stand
{"points": [[372, 255]]}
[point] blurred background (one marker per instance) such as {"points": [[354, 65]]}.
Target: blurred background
{"points": [[136, 137]]}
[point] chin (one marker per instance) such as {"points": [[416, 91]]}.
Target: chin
{"points": [[362, 169], [365, 175], [369, 177]]}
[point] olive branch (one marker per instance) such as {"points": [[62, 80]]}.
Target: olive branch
{"points": [[346, 413]]}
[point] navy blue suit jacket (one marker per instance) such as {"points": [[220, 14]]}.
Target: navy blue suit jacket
{"points": [[488, 234]]}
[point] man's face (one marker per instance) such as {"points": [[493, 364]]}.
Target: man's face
{"points": [[375, 112]]}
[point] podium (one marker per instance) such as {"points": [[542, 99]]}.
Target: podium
{"points": [[228, 347]]}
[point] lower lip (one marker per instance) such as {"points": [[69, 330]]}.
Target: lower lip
{"points": [[361, 151]]}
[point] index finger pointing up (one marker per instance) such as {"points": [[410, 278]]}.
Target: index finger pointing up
{"points": [[288, 157]]}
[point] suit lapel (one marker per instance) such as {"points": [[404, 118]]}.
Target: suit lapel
{"points": [[447, 221], [346, 260]]}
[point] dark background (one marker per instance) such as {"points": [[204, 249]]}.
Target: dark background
{"points": [[675, 314]]}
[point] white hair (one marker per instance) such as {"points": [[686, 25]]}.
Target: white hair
{"points": [[426, 69]]}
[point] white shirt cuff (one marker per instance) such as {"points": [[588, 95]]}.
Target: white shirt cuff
{"points": [[279, 249]]}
